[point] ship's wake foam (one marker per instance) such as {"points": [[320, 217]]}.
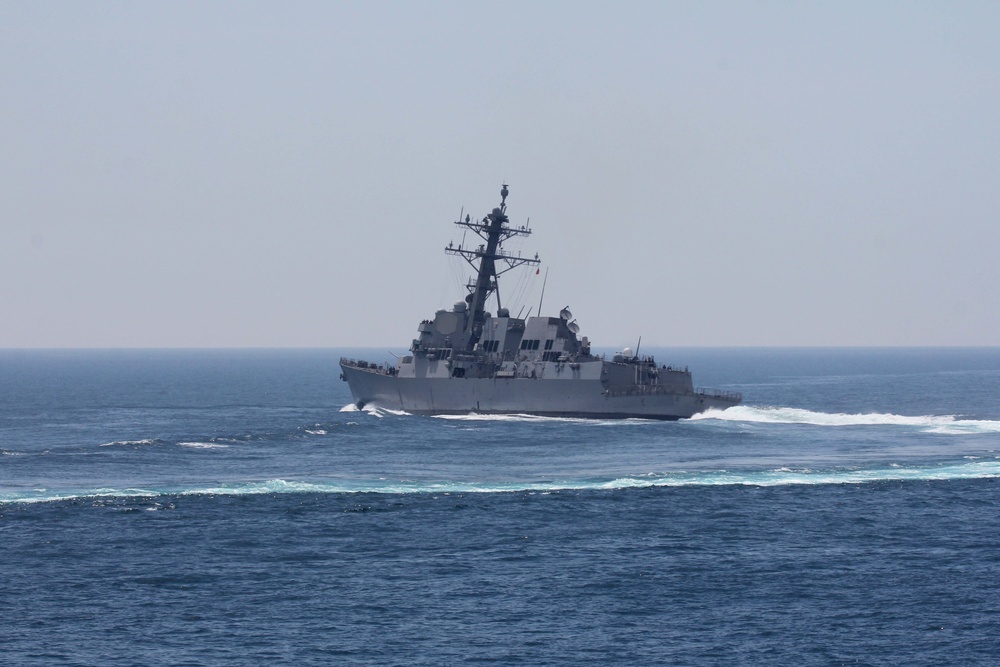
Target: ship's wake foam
{"points": [[946, 424], [519, 417], [777, 415], [971, 467], [377, 411], [373, 410]]}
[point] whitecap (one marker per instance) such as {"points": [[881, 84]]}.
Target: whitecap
{"points": [[203, 445], [372, 409], [129, 443]]}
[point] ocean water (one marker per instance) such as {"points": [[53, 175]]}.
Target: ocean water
{"points": [[232, 507]]}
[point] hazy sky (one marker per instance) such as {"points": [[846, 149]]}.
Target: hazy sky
{"points": [[697, 173]]}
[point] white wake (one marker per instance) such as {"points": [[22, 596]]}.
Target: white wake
{"points": [[971, 468], [777, 415], [373, 410]]}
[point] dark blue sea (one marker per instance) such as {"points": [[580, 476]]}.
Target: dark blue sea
{"points": [[232, 508]]}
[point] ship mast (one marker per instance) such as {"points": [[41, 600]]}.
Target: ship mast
{"points": [[493, 230]]}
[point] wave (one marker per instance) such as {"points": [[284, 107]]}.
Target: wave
{"points": [[518, 417], [131, 443], [970, 468], [203, 445], [949, 424], [945, 424], [211, 444], [373, 410]]}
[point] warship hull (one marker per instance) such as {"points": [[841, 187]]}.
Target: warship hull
{"points": [[571, 397]]}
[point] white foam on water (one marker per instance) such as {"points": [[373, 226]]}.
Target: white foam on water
{"points": [[258, 488], [967, 426], [513, 417], [129, 443], [538, 419], [947, 424], [373, 410], [781, 476], [203, 445], [42, 495]]}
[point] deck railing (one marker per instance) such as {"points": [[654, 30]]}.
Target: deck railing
{"points": [[369, 366], [656, 389], [719, 393]]}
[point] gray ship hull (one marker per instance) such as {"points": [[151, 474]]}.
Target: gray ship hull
{"points": [[520, 395]]}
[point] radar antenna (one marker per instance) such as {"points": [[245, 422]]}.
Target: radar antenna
{"points": [[493, 230]]}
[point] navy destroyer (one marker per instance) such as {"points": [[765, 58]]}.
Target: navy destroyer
{"points": [[468, 360]]}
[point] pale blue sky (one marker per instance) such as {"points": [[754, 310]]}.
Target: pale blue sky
{"points": [[286, 174]]}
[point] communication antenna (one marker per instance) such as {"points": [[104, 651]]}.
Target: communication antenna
{"points": [[543, 290], [637, 347]]}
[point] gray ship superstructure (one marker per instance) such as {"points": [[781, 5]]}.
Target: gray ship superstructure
{"points": [[467, 360]]}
